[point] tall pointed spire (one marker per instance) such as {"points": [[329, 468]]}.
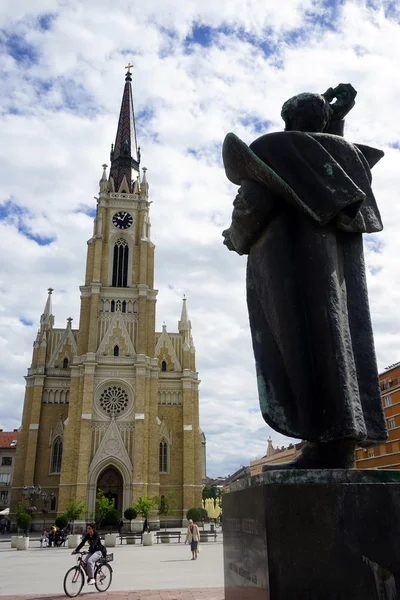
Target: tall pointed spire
{"points": [[125, 154], [47, 316], [184, 323]]}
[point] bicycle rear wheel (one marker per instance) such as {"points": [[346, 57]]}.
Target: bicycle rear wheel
{"points": [[73, 582], [103, 577]]}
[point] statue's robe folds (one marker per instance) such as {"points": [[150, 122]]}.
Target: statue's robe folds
{"points": [[306, 284]]}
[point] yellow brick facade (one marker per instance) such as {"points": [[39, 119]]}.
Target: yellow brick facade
{"points": [[114, 391]]}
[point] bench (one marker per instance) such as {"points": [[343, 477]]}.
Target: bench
{"points": [[134, 535], [204, 533], [168, 534]]}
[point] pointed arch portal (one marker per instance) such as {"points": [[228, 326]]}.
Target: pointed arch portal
{"points": [[110, 482]]}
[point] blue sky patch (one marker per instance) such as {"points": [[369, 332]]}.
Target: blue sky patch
{"points": [[16, 46], [46, 20], [374, 243], [259, 125], [86, 210], [26, 322], [18, 216]]}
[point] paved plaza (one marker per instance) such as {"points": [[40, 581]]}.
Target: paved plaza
{"points": [[158, 572]]}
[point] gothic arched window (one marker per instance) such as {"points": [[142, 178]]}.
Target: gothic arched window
{"points": [[163, 366], [65, 363], [163, 457], [120, 264], [112, 305], [123, 306], [116, 351], [53, 502], [56, 455]]}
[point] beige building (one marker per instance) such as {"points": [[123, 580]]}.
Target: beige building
{"points": [[275, 456], [114, 404], [8, 447]]}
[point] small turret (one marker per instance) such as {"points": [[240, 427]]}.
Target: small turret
{"points": [[47, 318], [184, 323], [144, 186], [103, 183]]}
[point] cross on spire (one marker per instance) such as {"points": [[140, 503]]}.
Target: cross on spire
{"points": [[129, 67]]}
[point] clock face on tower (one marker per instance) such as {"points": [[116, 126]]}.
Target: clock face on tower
{"points": [[122, 220]]}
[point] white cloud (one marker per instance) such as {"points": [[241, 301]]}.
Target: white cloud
{"points": [[59, 113]]}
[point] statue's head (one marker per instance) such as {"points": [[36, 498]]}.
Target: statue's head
{"points": [[306, 112]]}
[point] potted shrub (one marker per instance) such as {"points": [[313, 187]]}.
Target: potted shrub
{"points": [[166, 506], [24, 521], [61, 522], [74, 510], [105, 506], [143, 507], [130, 514]]}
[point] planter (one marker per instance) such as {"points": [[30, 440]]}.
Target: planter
{"points": [[203, 538], [137, 525], [110, 539], [165, 539], [154, 524], [14, 541], [74, 540], [147, 539], [22, 542], [131, 540]]}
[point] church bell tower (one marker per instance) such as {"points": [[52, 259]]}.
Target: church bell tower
{"points": [[129, 420]]}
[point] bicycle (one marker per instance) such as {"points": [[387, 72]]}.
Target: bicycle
{"points": [[74, 579]]}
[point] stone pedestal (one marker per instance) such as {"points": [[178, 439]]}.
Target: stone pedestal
{"points": [[307, 535]]}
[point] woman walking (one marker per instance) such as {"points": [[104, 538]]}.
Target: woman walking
{"points": [[193, 537]]}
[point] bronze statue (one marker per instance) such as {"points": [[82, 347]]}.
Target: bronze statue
{"points": [[304, 201]]}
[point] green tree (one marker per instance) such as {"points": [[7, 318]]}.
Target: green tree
{"points": [[166, 505], [61, 521], [103, 506], [211, 491], [144, 505], [111, 518], [24, 521], [195, 514], [130, 514], [74, 511]]}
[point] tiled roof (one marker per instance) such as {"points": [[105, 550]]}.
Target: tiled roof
{"points": [[6, 437]]}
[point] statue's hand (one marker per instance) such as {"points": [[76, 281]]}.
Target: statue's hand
{"points": [[227, 240], [345, 99]]}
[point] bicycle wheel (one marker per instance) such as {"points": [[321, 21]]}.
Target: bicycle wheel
{"points": [[73, 582], [103, 577]]}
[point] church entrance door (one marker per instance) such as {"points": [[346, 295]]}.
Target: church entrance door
{"points": [[111, 484]]}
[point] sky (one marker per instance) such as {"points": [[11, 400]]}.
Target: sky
{"points": [[200, 71]]}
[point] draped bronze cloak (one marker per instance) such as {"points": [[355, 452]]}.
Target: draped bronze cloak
{"points": [[306, 285]]}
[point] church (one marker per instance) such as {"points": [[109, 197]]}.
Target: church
{"points": [[114, 405]]}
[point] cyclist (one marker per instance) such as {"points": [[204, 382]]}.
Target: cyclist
{"points": [[96, 549]]}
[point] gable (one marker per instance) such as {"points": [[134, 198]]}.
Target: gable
{"points": [[165, 351], [117, 335]]}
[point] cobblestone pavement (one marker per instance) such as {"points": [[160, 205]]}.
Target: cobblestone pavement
{"points": [[202, 594], [158, 572]]}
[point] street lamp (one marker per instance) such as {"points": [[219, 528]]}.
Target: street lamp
{"points": [[32, 492], [45, 498]]}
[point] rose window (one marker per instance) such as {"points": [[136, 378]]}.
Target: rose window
{"points": [[114, 400]]}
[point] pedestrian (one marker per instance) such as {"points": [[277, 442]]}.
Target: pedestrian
{"points": [[52, 536], [193, 537], [120, 526], [3, 524], [44, 539], [96, 550], [145, 525]]}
